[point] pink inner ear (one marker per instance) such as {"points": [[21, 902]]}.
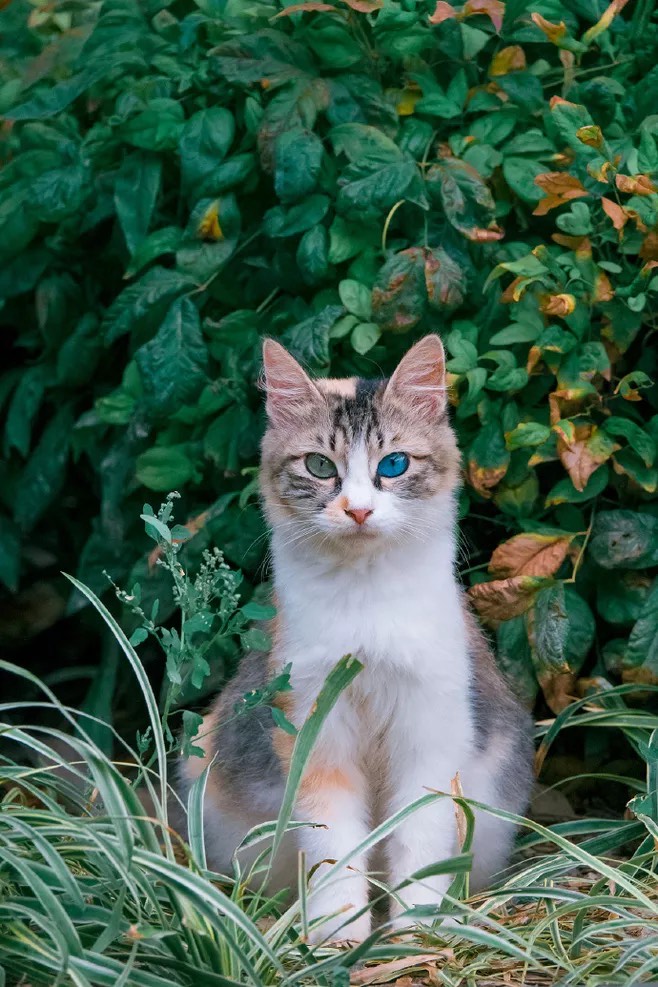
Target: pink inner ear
{"points": [[289, 388], [420, 378]]}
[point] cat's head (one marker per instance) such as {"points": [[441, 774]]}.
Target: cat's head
{"points": [[354, 462]]}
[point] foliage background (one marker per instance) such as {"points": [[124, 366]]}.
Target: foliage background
{"points": [[180, 179]]}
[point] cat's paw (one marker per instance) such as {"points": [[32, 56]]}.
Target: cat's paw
{"points": [[337, 928]]}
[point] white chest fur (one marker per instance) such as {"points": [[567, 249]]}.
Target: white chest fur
{"points": [[399, 612]]}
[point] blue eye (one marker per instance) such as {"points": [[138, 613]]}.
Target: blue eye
{"points": [[395, 464]]}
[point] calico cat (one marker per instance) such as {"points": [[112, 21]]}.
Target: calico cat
{"points": [[359, 479]]}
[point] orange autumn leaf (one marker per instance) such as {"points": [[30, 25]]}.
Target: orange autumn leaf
{"points": [[615, 212], [493, 9], [560, 187], [635, 184], [554, 32], [480, 235], [502, 599], [308, 5], [583, 452], [581, 245], [561, 305], [484, 478], [442, 12], [530, 554], [510, 59], [603, 290]]}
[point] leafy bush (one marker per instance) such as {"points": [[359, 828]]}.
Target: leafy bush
{"points": [[181, 179]]}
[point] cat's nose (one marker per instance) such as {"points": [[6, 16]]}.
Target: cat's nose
{"points": [[359, 514]]}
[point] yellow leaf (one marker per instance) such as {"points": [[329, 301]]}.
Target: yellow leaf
{"points": [[554, 32], [209, 228], [590, 135], [604, 21]]}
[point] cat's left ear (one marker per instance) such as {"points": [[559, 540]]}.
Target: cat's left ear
{"points": [[289, 389], [420, 378]]}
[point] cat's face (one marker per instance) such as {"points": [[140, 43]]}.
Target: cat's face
{"points": [[353, 462]]}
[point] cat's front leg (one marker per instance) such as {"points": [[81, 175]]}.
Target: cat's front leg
{"points": [[333, 795]]}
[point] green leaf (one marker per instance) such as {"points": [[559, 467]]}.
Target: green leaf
{"points": [[284, 222], [258, 611], [308, 341], [297, 160], [515, 660], [24, 405], [210, 238], [368, 196], [156, 128], [639, 440], [620, 596], [79, 355], [173, 364], [135, 193], [356, 298], [10, 554], [564, 491], [466, 200], [399, 294], [313, 254], [164, 468], [204, 143], [59, 193], [364, 336], [520, 174], [43, 476], [367, 146], [144, 303], [642, 650], [527, 434], [256, 640], [164, 241], [624, 539]]}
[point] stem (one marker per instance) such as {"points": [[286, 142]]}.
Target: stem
{"points": [[581, 553]]}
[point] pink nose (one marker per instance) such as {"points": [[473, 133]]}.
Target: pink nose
{"points": [[359, 514]]}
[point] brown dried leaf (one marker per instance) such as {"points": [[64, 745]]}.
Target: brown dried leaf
{"points": [[530, 554], [502, 599], [635, 184], [383, 973], [557, 305], [584, 453], [560, 187]]}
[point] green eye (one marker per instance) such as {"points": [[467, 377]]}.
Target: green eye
{"points": [[320, 467]]}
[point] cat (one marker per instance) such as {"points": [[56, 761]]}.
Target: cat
{"points": [[359, 481]]}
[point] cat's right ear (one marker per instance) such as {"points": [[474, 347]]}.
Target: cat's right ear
{"points": [[289, 389]]}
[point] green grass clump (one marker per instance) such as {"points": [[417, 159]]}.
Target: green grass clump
{"points": [[94, 891]]}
